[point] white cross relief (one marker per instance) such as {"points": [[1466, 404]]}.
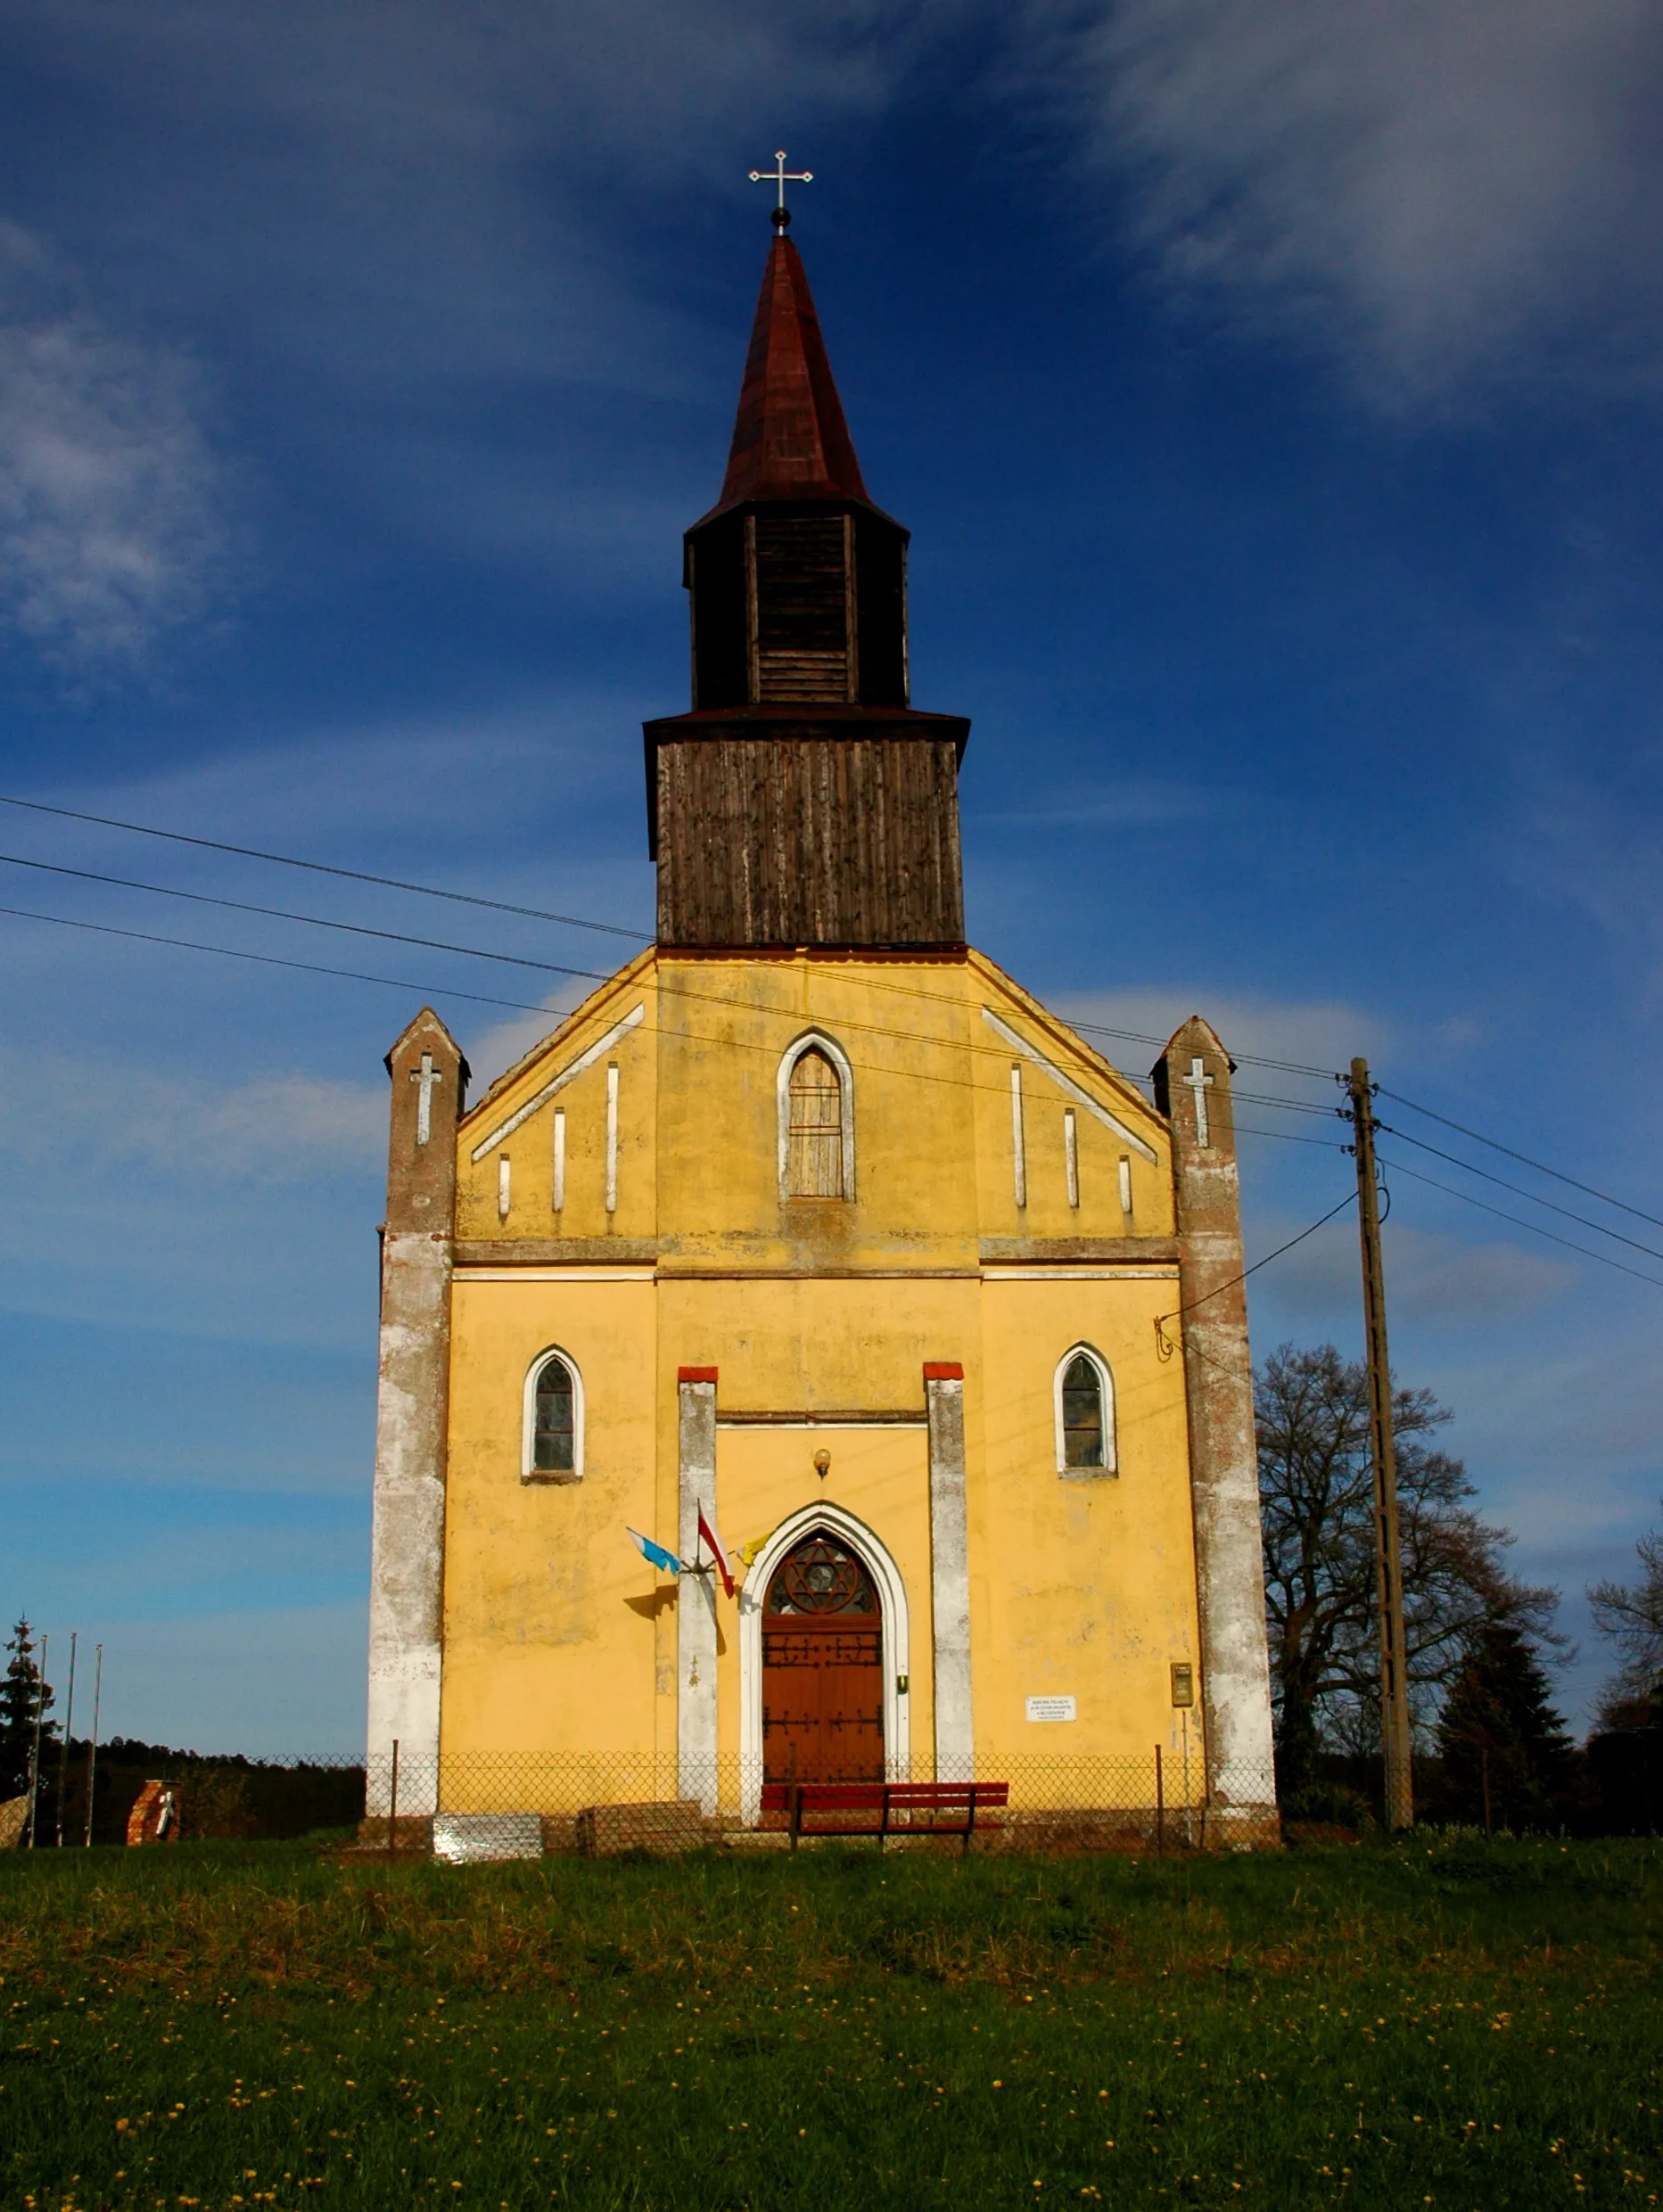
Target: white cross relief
{"points": [[1198, 1080], [781, 176], [425, 1077]]}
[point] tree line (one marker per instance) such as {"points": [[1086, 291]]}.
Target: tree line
{"points": [[1477, 1638]]}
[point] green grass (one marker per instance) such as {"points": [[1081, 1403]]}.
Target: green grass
{"points": [[1456, 2025]]}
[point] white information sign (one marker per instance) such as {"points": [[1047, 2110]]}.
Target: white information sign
{"points": [[1051, 1709]]}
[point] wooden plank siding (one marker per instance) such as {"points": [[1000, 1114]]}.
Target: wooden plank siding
{"points": [[781, 841]]}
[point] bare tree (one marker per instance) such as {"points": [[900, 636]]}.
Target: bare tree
{"points": [[1316, 1497], [1631, 1613]]}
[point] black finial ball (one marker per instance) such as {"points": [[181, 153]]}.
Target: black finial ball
{"points": [[779, 218]]}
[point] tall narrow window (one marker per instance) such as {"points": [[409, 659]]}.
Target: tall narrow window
{"points": [[1085, 1415], [814, 1163], [554, 1421]]}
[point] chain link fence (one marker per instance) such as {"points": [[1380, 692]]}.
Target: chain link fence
{"points": [[471, 1806], [478, 1805]]}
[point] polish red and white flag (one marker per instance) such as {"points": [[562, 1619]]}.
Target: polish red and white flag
{"points": [[718, 1551]]}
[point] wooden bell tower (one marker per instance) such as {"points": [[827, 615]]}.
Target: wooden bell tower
{"points": [[802, 802]]}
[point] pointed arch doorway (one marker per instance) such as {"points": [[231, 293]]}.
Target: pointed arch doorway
{"points": [[822, 1665], [806, 1701]]}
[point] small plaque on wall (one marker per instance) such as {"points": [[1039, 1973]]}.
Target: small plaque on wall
{"points": [[1051, 1709]]}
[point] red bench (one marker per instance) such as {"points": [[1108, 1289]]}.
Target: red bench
{"points": [[882, 1809]]}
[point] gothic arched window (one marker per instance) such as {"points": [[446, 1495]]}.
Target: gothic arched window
{"points": [[816, 1123], [554, 1421], [1085, 1414]]}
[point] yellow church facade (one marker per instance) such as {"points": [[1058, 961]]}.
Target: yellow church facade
{"points": [[811, 1237]]}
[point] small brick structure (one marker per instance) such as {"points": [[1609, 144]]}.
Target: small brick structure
{"points": [[155, 1815], [676, 1824]]}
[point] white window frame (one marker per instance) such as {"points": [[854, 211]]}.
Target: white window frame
{"points": [[815, 1040], [530, 1472], [1105, 1385]]}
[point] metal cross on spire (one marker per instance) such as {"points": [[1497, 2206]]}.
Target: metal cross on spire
{"points": [[780, 175]]}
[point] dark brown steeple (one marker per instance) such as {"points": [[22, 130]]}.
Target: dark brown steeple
{"points": [[802, 803], [789, 437]]}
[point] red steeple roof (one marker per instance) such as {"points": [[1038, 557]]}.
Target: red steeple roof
{"points": [[789, 439]]}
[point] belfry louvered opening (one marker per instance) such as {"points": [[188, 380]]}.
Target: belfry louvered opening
{"points": [[804, 624]]}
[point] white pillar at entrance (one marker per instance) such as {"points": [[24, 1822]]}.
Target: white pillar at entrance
{"points": [[696, 1600], [949, 1574]]}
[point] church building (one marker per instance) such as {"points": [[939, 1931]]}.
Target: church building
{"points": [[811, 1236]]}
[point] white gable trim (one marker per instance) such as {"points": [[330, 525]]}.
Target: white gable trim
{"points": [[566, 1074], [1067, 1085]]}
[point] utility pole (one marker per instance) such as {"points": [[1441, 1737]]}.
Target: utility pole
{"points": [[34, 1756], [63, 1755], [92, 1748], [1388, 1586]]}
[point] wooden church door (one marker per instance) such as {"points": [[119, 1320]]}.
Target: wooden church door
{"points": [[822, 1668]]}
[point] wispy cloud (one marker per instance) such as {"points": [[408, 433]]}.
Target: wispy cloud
{"points": [[278, 1128], [111, 529], [1438, 188], [1436, 1280], [1310, 1033]]}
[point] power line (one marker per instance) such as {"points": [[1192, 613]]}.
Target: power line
{"points": [[1524, 1159], [1289, 1106], [556, 1016], [268, 959], [322, 867], [475, 952], [1243, 1059], [502, 906], [1290, 1137], [313, 921], [1177, 1311], [1501, 1183], [1397, 1167], [397, 982]]}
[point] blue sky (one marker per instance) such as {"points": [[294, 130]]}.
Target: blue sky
{"points": [[1273, 388]]}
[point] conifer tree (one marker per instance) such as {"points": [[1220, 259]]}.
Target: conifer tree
{"points": [[1499, 1725], [22, 1696]]}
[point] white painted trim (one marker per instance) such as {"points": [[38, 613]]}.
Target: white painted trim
{"points": [[815, 1040], [559, 1185], [950, 1583], [1125, 1186], [897, 1637], [1067, 1085], [612, 1138], [504, 1187], [528, 1418], [1106, 1384], [601, 1046], [1018, 1143], [696, 1737], [816, 1420], [644, 1273], [1071, 1155], [1004, 1271]]}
